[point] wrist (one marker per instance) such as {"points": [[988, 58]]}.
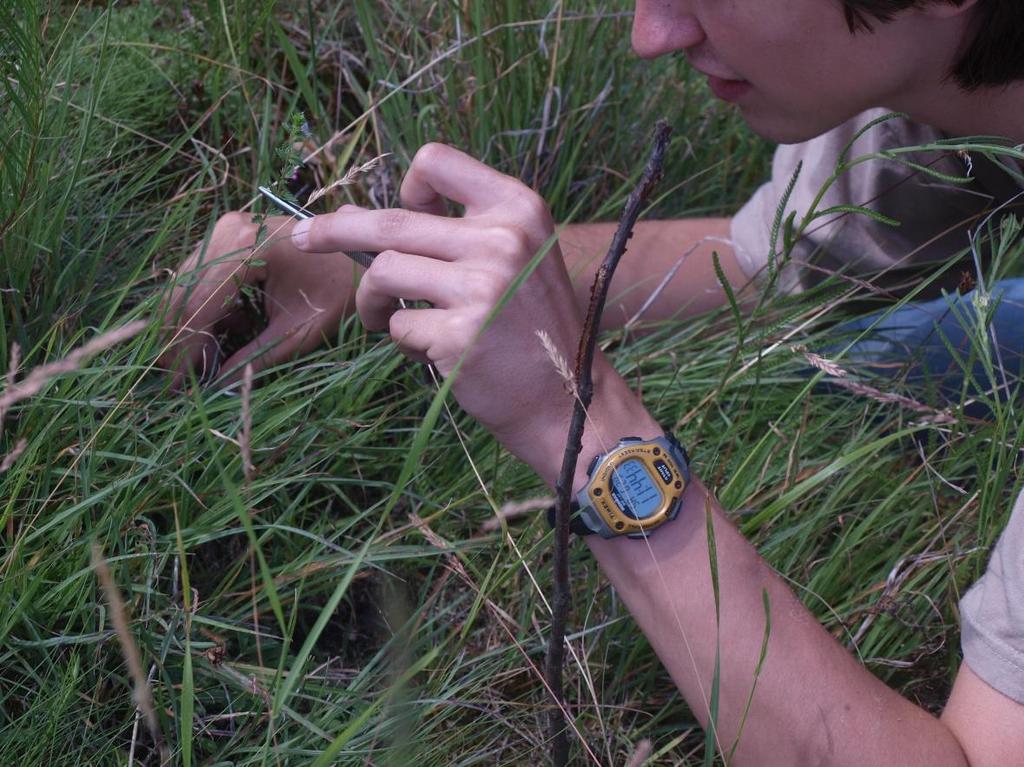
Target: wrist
{"points": [[614, 413]]}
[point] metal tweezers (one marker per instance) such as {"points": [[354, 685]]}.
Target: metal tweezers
{"points": [[362, 258]]}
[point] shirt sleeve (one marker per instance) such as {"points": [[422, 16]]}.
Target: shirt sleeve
{"points": [[992, 612], [934, 215]]}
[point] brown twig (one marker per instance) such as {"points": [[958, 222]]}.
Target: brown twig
{"points": [[574, 443]]}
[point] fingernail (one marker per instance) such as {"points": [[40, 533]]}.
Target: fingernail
{"points": [[300, 234]]}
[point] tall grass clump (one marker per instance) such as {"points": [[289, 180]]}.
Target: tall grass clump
{"points": [[290, 601]]}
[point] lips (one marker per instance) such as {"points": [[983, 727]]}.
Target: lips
{"points": [[728, 90]]}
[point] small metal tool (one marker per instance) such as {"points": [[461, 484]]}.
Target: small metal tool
{"points": [[360, 257]]}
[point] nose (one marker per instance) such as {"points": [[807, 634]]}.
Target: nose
{"points": [[664, 26]]}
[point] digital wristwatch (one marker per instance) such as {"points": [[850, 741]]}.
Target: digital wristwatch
{"points": [[633, 489]]}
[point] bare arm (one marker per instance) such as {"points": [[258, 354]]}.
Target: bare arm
{"points": [[989, 726], [655, 249], [814, 704], [306, 294]]}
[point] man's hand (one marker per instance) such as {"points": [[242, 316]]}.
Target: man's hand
{"points": [[304, 295], [463, 266]]}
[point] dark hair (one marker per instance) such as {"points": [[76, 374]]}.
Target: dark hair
{"points": [[995, 55]]}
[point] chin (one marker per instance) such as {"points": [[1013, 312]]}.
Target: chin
{"points": [[788, 129]]}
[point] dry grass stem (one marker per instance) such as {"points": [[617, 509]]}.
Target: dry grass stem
{"points": [[12, 367], [516, 509], [12, 372], [41, 375], [13, 456], [245, 435], [890, 398], [820, 363], [456, 566], [838, 377], [643, 752], [506, 621], [141, 693], [656, 293], [559, 361], [349, 178]]}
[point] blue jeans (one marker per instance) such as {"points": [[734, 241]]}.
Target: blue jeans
{"points": [[931, 347]]}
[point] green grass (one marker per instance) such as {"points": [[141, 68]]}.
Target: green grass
{"points": [[322, 623]]}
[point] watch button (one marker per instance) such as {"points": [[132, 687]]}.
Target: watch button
{"points": [[593, 465]]}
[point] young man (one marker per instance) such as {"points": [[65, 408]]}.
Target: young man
{"points": [[797, 72]]}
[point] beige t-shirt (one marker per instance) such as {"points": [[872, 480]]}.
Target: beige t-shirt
{"points": [[992, 612], [935, 215]]}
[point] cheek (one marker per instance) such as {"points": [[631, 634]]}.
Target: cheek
{"points": [[803, 91]]}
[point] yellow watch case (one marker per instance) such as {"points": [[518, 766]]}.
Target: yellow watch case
{"points": [[635, 488]]}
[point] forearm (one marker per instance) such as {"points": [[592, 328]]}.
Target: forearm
{"points": [[655, 249], [814, 704]]}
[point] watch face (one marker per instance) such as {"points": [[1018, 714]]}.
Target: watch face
{"points": [[634, 491]]}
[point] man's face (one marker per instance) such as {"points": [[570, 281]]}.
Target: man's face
{"points": [[792, 66]]}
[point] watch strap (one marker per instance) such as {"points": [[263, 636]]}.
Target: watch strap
{"points": [[576, 524]]}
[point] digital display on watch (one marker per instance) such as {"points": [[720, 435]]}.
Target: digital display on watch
{"points": [[634, 490]]}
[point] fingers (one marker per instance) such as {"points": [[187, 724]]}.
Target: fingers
{"points": [[389, 229], [440, 171], [395, 275], [206, 291], [277, 343], [193, 312], [422, 198], [200, 357], [426, 335]]}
